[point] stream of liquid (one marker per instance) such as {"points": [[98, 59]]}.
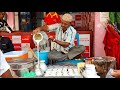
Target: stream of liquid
{"points": [[38, 52], [38, 38]]}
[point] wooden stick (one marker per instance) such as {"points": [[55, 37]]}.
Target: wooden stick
{"points": [[34, 55]]}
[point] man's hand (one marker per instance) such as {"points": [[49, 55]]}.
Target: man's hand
{"points": [[37, 30], [52, 38], [116, 73], [42, 28], [64, 44]]}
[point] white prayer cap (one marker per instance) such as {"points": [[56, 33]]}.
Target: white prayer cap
{"points": [[67, 17]]}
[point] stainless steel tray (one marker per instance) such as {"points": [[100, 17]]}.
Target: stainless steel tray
{"points": [[18, 64]]}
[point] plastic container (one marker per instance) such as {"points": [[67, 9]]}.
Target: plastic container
{"points": [[43, 55], [16, 54]]}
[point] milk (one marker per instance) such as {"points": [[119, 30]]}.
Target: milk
{"points": [[37, 39]]}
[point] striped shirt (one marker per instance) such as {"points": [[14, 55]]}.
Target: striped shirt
{"points": [[67, 36]]}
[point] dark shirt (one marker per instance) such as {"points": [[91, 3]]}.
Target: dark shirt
{"points": [[4, 23], [6, 44], [25, 16]]}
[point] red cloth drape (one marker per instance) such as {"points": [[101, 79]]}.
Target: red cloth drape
{"points": [[112, 47]]}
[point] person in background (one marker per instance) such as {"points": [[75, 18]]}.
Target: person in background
{"points": [[5, 71], [25, 21], [52, 18], [6, 44], [3, 24], [64, 42]]}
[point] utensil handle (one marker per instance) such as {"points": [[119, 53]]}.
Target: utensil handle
{"points": [[34, 55]]}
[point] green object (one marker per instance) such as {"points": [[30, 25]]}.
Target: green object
{"points": [[29, 75], [24, 72], [118, 17], [32, 74], [114, 17], [26, 75]]}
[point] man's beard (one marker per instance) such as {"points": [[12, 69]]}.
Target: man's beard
{"points": [[64, 29]]}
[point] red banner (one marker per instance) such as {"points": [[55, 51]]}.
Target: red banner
{"points": [[17, 47], [25, 38]]}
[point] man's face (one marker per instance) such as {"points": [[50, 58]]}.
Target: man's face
{"points": [[65, 24], [1, 15]]}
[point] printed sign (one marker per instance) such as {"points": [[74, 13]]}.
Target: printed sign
{"points": [[17, 47], [78, 23], [25, 39], [85, 40], [16, 39], [77, 17], [20, 41]]}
